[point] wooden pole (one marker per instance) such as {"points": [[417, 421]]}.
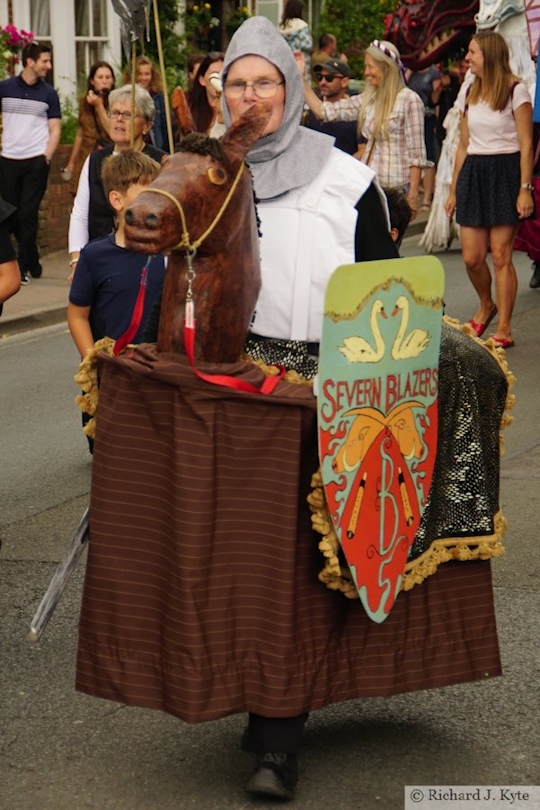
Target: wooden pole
{"points": [[163, 77], [133, 77]]}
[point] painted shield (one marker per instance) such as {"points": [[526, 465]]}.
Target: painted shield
{"points": [[377, 414]]}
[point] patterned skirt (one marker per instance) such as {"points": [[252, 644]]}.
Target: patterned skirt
{"points": [[487, 190]]}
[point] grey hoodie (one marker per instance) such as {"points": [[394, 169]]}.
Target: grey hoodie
{"points": [[293, 155]]}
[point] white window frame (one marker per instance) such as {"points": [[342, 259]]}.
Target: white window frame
{"points": [[63, 40]]}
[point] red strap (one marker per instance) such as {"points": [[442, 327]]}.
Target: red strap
{"points": [[222, 379], [136, 317]]}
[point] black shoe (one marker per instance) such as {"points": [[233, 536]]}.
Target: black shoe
{"points": [[36, 271], [275, 776], [24, 279], [535, 280]]}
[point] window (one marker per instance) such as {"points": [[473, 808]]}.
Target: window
{"points": [[40, 19], [40, 25], [90, 35]]}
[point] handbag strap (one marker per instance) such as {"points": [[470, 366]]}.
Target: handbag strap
{"points": [[536, 157]]}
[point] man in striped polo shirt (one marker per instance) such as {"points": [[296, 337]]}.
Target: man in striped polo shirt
{"points": [[31, 132]]}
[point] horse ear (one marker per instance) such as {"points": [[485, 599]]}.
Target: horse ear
{"points": [[182, 112], [241, 135]]}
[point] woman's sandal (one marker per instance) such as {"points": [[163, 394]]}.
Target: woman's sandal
{"points": [[503, 343], [480, 328]]}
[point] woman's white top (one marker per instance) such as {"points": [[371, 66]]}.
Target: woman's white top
{"points": [[78, 220], [494, 132]]}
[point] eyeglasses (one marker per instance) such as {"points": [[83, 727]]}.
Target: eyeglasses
{"points": [[263, 88], [327, 77], [116, 115]]}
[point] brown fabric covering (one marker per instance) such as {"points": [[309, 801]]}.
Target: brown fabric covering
{"points": [[201, 595]]}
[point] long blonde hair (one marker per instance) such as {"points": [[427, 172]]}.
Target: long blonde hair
{"points": [[384, 96], [495, 85]]}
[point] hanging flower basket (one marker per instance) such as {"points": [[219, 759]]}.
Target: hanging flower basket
{"points": [[12, 41], [199, 22]]}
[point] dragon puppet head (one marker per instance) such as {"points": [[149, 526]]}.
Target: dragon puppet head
{"points": [[425, 31]]}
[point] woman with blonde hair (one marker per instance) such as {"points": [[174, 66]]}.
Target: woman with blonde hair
{"points": [[491, 187], [148, 77], [390, 118]]}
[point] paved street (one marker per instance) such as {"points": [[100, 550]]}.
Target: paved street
{"points": [[64, 751]]}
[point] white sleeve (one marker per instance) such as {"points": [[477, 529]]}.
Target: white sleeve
{"points": [[520, 96], [78, 221]]}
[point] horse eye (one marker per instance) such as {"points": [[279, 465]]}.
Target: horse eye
{"points": [[217, 176]]}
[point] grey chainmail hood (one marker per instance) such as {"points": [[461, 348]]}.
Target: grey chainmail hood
{"points": [[293, 155]]}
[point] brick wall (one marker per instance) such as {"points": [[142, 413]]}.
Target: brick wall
{"points": [[55, 207]]}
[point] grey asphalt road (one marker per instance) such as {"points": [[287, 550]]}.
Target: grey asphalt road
{"points": [[64, 751]]}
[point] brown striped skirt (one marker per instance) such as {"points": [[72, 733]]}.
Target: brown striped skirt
{"points": [[202, 596]]}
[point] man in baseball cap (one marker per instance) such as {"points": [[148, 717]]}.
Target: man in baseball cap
{"points": [[336, 67], [332, 79]]}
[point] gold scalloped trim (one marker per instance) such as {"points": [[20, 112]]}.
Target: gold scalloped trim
{"points": [[87, 379], [338, 578]]}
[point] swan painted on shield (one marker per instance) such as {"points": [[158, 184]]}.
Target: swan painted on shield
{"points": [[357, 349], [415, 342]]}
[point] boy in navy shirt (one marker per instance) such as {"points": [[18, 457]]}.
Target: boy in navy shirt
{"points": [[108, 277]]}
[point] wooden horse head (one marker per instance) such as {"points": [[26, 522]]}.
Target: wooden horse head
{"points": [[201, 207]]}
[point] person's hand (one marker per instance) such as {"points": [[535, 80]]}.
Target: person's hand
{"points": [[524, 203], [450, 205], [93, 99], [412, 199], [300, 60], [73, 266]]}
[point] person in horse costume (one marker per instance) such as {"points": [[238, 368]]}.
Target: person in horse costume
{"points": [[208, 574]]}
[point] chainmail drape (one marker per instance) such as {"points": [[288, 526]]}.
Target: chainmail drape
{"points": [[464, 495]]}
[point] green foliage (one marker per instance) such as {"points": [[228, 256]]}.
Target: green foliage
{"points": [[70, 120], [355, 23], [238, 16], [201, 26]]}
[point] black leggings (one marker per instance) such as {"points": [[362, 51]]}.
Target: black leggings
{"points": [[283, 734]]}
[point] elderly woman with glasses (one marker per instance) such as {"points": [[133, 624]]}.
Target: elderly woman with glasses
{"points": [[298, 174], [389, 116], [92, 215]]}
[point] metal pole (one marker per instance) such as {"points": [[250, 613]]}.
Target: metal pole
{"points": [[60, 579]]}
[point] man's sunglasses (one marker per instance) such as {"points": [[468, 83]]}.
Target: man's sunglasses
{"points": [[327, 77]]}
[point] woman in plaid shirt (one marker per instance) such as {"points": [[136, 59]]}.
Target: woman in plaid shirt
{"points": [[390, 119]]}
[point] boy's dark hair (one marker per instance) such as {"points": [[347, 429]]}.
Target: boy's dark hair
{"points": [[34, 50], [125, 169], [399, 209]]}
